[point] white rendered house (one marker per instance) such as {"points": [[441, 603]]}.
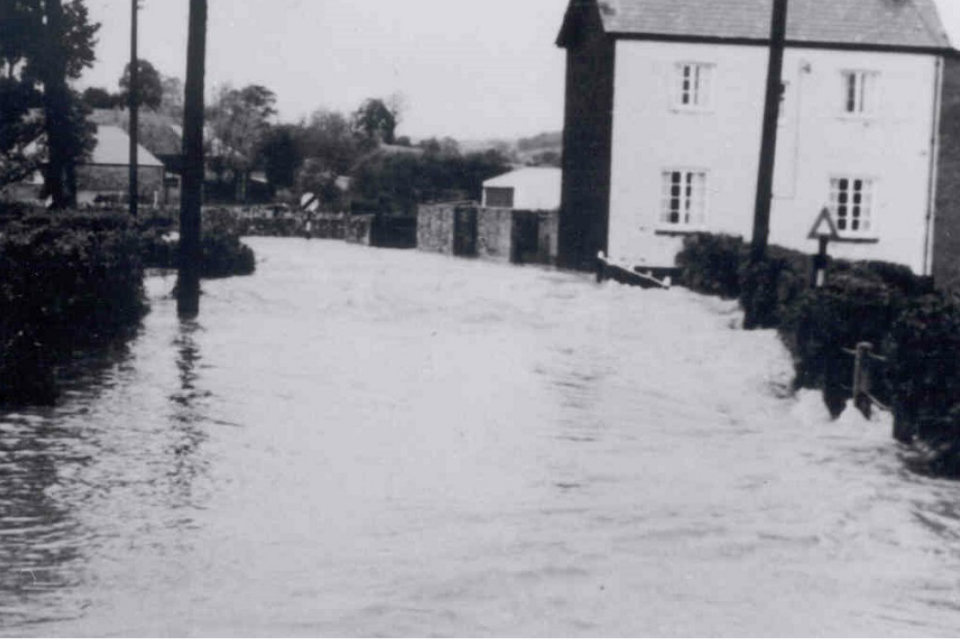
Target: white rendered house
{"points": [[664, 111]]}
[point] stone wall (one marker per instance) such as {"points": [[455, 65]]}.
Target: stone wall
{"points": [[435, 227], [494, 234], [358, 229]]}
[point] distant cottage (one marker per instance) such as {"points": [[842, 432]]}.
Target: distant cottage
{"points": [[106, 175], [664, 104]]}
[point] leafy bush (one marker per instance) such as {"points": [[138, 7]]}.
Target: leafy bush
{"points": [[924, 369], [68, 281], [223, 254], [848, 310], [771, 289], [711, 264]]}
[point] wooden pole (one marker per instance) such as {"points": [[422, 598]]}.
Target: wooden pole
{"points": [[132, 102], [768, 145], [188, 281], [819, 276], [861, 379]]}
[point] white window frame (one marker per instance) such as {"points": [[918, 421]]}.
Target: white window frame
{"points": [[693, 84], [692, 210], [859, 99], [861, 209]]}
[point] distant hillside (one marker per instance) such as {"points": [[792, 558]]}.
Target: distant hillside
{"points": [[541, 149]]}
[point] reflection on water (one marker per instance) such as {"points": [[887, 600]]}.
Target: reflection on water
{"points": [[360, 442]]}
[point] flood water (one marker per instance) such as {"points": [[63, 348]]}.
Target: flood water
{"points": [[372, 442]]}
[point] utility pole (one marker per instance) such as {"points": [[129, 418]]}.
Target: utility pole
{"points": [[132, 99], [768, 145], [188, 281]]}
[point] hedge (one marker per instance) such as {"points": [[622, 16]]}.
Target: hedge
{"points": [[68, 281], [223, 253], [885, 304]]}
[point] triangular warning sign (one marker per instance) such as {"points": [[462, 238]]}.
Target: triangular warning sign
{"points": [[824, 227]]}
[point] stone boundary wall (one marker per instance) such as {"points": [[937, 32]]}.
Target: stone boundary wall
{"points": [[358, 229], [435, 227], [495, 234]]}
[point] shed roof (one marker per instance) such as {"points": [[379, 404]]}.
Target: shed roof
{"points": [[911, 24], [536, 187]]}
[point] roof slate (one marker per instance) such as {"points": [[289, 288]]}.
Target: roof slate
{"points": [[887, 23]]}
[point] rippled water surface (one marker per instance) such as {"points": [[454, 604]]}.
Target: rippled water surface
{"points": [[364, 442]]}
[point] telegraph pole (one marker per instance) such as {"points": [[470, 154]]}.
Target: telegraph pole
{"points": [[768, 145], [188, 280], [132, 101]]}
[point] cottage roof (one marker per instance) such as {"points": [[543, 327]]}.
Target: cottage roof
{"points": [[911, 24], [113, 148], [162, 135]]}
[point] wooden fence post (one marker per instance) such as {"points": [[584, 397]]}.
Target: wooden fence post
{"points": [[861, 379]]}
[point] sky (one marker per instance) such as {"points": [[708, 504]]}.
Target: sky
{"points": [[469, 69]]}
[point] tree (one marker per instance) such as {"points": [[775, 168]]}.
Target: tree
{"points": [[374, 122], [149, 89], [328, 137], [239, 119], [43, 44], [280, 155], [100, 98], [171, 103]]}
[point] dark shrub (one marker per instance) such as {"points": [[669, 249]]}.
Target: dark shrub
{"points": [[223, 254], [771, 289], [924, 369], [848, 310], [66, 282], [710, 264]]}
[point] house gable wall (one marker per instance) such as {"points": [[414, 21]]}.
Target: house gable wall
{"points": [[816, 140], [588, 124], [946, 241]]}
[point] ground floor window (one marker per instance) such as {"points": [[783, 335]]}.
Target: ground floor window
{"points": [[851, 200], [683, 201]]}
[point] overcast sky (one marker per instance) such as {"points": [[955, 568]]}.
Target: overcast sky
{"points": [[467, 68]]}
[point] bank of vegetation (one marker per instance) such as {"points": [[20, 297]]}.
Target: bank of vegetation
{"points": [[914, 329], [71, 282], [223, 254]]}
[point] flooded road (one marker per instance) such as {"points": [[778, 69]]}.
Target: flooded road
{"points": [[371, 442]]}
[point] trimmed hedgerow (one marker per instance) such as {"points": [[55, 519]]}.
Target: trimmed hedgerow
{"points": [[924, 371], [711, 264], [68, 281], [223, 253], [870, 301]]}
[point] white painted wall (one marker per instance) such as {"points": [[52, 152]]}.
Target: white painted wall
{"points": [[816, 140]]}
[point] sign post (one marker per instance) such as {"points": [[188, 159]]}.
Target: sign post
{"points": [[824, 230]]}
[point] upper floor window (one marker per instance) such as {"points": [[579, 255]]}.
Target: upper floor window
{"points": [[693, 87], [683, 201], [859, 92], [851, 200]]}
